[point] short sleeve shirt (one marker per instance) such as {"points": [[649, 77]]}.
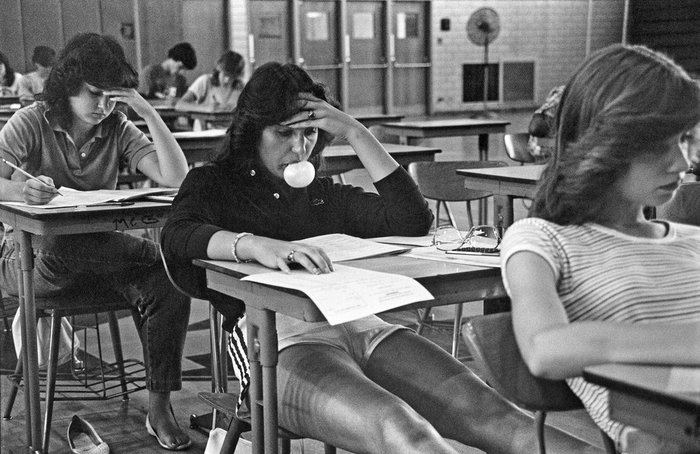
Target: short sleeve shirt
{"points": [[29, 86], [207, 93], [33, 140], [603, 274], [156, 81]]}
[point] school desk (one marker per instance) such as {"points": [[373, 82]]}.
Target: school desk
{"points": [[505, 183], [449, 283], [659, 399], [338, 159], [412, 132], [27, 222]]}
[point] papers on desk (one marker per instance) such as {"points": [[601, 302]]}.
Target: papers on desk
{"points": [[684, 380], [412, 241], [340, 247], [431, 253], [349, 293], [76, 198]]}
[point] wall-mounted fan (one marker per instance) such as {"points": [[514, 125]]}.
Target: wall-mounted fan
{"points": [[483, 27]]}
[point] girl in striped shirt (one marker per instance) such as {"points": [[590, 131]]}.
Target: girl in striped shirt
{"points": [[590, 278]]}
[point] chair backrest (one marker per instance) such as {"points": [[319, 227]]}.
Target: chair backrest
{"points": [[492, 342], [438, 180], [517, 147]]}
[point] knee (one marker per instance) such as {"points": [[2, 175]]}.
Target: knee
{"points": [[402, 430]]}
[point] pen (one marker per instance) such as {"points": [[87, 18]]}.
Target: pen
{"points": [[27, 174]]}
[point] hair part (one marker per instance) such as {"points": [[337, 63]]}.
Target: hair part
{"points": [[87, 58], [622, 102], [268, 98], [233, 65], [184, 52]]}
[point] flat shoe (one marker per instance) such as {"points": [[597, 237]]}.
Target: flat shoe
{"points": [[152, 432], [83, 439]]}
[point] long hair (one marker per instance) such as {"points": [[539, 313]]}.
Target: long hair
{"points": [[268, 98], [622, 102], [91, 58], [9, 72], [233, 65]]}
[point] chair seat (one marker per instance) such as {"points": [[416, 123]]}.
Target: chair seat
{"points": [[80, 302]]}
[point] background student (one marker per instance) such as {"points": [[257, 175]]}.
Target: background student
{"points": [[590, 278], [218, 91], [164, 80], [9, 78], [31, 84], [367, 385], [74, 138]]}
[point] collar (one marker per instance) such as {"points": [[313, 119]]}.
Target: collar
{"points": [[55, 125]]}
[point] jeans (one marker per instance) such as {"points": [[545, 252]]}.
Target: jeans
{"points": [[133, 268]]}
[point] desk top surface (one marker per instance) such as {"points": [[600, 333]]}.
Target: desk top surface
{"points": [[646, 381], [46, 214], [447, 123], [523, 174], [347, 150]]}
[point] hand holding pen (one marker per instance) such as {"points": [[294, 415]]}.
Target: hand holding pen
{"points": [[37, 190]]}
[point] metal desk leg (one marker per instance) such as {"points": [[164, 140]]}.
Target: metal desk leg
{"points": [[268, 360], [484, 156], [31, 361], [255, 389]]}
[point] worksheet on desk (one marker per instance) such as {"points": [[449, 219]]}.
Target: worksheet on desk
{"points": [[341, 247], [348, 293], [75, 198]]}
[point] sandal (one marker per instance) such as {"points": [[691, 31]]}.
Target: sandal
{"points": [[151, 431]]}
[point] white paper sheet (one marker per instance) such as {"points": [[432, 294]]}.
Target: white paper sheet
{"points": [[431, 253], [340, 247], [76, 198], [349, 293], [421, 241], [684, 380]]}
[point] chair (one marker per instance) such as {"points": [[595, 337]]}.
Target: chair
{"points": [[221, 400], [517, 147], [92, 384], [439, 181], [492, 342]]}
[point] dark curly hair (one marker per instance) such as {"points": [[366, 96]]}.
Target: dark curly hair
{"points": [[184, 52], [233, 65], [268, 98], [9, 72], [91, 58], [623, 102]]}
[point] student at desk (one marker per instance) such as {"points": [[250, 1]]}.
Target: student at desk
{"points": [[218, 91], [164, 80], [366, 385], [75, 138], [590, 278], [9, 78], [32, 83]]}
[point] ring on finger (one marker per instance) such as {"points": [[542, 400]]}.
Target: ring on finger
{"points": [[312, 114], [290, 256]]}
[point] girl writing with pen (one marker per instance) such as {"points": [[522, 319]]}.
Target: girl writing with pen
{"points": [[74, 138]]}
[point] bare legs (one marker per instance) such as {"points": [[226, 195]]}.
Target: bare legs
{"points": [[408, 397]]}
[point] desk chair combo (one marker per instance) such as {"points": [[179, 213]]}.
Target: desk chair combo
{"points": [[92, 382], [220, 399], [518, 148], [492, 342], [439, 181]]}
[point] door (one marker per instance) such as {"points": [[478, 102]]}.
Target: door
{"points": [[366, 59], [411, 43], [269, 38], [320, 44]]}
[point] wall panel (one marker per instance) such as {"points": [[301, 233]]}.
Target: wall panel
{"points": [[41, 26], [80, 16]]}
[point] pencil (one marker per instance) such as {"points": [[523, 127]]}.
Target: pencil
{"points": [[27, 174]]}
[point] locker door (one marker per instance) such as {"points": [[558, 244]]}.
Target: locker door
{"points": [[319, 39], [367, 60], [411, 32], [269, 38]]}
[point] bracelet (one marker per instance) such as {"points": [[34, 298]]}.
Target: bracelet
{"points": [[235, 243]]}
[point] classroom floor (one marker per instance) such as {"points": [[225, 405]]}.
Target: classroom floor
{"points": [[121, 424]]}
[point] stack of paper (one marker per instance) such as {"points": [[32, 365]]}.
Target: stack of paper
{"points": [[75, 198]]}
